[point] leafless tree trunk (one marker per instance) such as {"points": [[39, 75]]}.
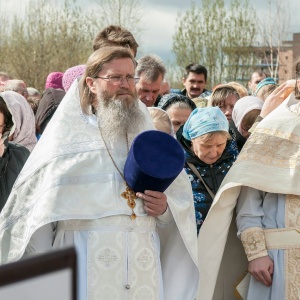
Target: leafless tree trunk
{"points": [[274, 30], [125, 13]]}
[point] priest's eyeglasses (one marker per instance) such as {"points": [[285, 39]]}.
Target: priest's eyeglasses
{"points": [[117, 80]]}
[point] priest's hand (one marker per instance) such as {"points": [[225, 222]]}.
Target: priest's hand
{"points": [[262, 269], [155, 203], [277, 97]]}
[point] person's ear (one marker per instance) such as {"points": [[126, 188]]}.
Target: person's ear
{"points": [[91, 83], [249, 84]]}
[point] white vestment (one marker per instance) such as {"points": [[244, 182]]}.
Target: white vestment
{"points": [[70, 182], [269, 162]]}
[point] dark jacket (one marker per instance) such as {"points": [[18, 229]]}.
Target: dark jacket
{"points": [[11, 164], [204, 94], [236, 135], [47, 107], [212, 175]]}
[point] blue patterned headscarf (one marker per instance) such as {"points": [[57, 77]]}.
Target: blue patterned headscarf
{"points": [[204, 120]]}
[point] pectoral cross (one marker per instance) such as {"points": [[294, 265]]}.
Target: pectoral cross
{"points": [[130, 196]]}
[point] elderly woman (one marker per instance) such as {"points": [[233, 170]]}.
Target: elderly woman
{"points": [[12, 157], [210, 153]]}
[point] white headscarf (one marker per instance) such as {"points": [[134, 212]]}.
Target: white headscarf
{"points": [[157, 114], [242, 107], [23, 131]]}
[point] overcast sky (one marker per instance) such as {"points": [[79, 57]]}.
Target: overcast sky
{"points": [[160, 17], [160, 20]]}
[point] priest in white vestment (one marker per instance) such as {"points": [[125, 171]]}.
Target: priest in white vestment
{"points": [[261, 194], [69, 193]]}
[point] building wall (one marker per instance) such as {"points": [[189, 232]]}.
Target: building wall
{"points": [[296, 46], [288, 55], [261, 57], [285, 71]]}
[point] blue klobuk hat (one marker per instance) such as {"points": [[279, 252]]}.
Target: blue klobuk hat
{"points": [[155, 159]]}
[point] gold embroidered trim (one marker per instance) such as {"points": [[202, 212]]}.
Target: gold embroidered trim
{"points": [[279, 150], [274, 132], [292, 256], [292, 274], [292, 211], [253, 240]]}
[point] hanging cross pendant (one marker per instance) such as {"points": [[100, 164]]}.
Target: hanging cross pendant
{"points": [[130, 196]]}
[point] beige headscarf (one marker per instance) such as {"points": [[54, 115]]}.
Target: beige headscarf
{"points": [[161, 120], [242, 107], [23, 131]]}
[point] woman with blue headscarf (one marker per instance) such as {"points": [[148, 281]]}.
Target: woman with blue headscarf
{"points": [[210, 152]]}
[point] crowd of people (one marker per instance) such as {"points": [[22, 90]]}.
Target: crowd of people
{"points": [[149, 221]]}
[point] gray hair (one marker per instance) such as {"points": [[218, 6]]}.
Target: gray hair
{"points": [[181, 105], [33, 92], [150, 66], [14, 85]]}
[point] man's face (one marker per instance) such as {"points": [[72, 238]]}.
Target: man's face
{"points": [[124, 90], [255, 80], [116, 102], [148, 91], [194, 84]]}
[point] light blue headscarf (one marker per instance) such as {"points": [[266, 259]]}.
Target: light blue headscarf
{"points": [[204, 120]]}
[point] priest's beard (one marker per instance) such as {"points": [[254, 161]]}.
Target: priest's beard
{"points": [[118, 117]]}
